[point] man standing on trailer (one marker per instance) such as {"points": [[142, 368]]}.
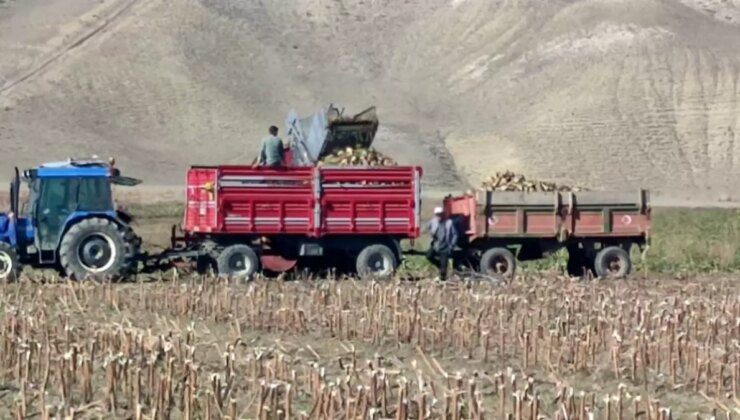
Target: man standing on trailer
{"points": [[271, 149], [444, 239]]}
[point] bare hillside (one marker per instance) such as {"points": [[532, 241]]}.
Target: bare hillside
{"points": [[607, 93]]}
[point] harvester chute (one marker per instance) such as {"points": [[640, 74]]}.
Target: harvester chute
{"points": [[328, 130]]}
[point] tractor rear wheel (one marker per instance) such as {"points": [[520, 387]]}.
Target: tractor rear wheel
{"points": [[9, 264], [133, 249], [377, 261], [95, 248], [238, 261]]}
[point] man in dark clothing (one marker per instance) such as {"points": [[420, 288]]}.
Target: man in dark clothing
{"points": [[444, 239], [271, 149]]}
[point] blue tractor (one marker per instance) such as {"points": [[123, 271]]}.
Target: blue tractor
{"points": [[69, 222]]}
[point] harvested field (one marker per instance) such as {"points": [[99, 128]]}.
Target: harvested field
{"points": [[206, 348]]}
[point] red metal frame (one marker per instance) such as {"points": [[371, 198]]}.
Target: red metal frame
{"points": [[303, 201]]}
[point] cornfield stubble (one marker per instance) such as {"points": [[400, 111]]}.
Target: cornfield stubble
{"points": [[207, 348], [200, 347]]}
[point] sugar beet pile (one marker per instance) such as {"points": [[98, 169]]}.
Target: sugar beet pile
{"points": [[510, 181], [358, 156]]}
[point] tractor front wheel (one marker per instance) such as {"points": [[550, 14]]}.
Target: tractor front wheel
{"points": [[9, 265], [95, 248]]}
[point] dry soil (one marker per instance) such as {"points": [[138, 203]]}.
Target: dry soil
{"points": [[613, 94]]}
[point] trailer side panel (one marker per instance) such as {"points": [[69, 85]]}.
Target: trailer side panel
{"points": [[550, 215], [305, 201]]}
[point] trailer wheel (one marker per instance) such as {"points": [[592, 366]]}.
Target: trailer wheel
{"points": [[238, 261], [376, 261], [498, 262], [94, 248], [9, 264], [613, 262]]}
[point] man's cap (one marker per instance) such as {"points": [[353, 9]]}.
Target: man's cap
{"points": [[438, 210]]}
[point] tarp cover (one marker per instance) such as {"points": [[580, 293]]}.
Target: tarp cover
{"points": [[306, 136]]}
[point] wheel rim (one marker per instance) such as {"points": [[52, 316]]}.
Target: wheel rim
{"points": [[6, 264], [97, 253], [498, 265], [379, 264], [614, 265], [240, 264]]}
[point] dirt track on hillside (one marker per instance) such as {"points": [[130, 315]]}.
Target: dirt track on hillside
{"points": [[610, 94]]}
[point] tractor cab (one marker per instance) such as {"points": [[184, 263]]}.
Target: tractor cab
{"points": [[62, 196]]}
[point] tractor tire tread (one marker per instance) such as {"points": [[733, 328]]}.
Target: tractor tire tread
{"points": [[133, 244], [68, 255]]}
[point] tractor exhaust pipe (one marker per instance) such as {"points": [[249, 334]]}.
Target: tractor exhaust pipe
{"points": [[15, 186]]}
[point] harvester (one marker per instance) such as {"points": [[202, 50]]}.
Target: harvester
{"points": [[321, 134]]}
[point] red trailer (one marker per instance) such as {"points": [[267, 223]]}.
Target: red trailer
{"points": [[597, 228], [246, 218]]}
